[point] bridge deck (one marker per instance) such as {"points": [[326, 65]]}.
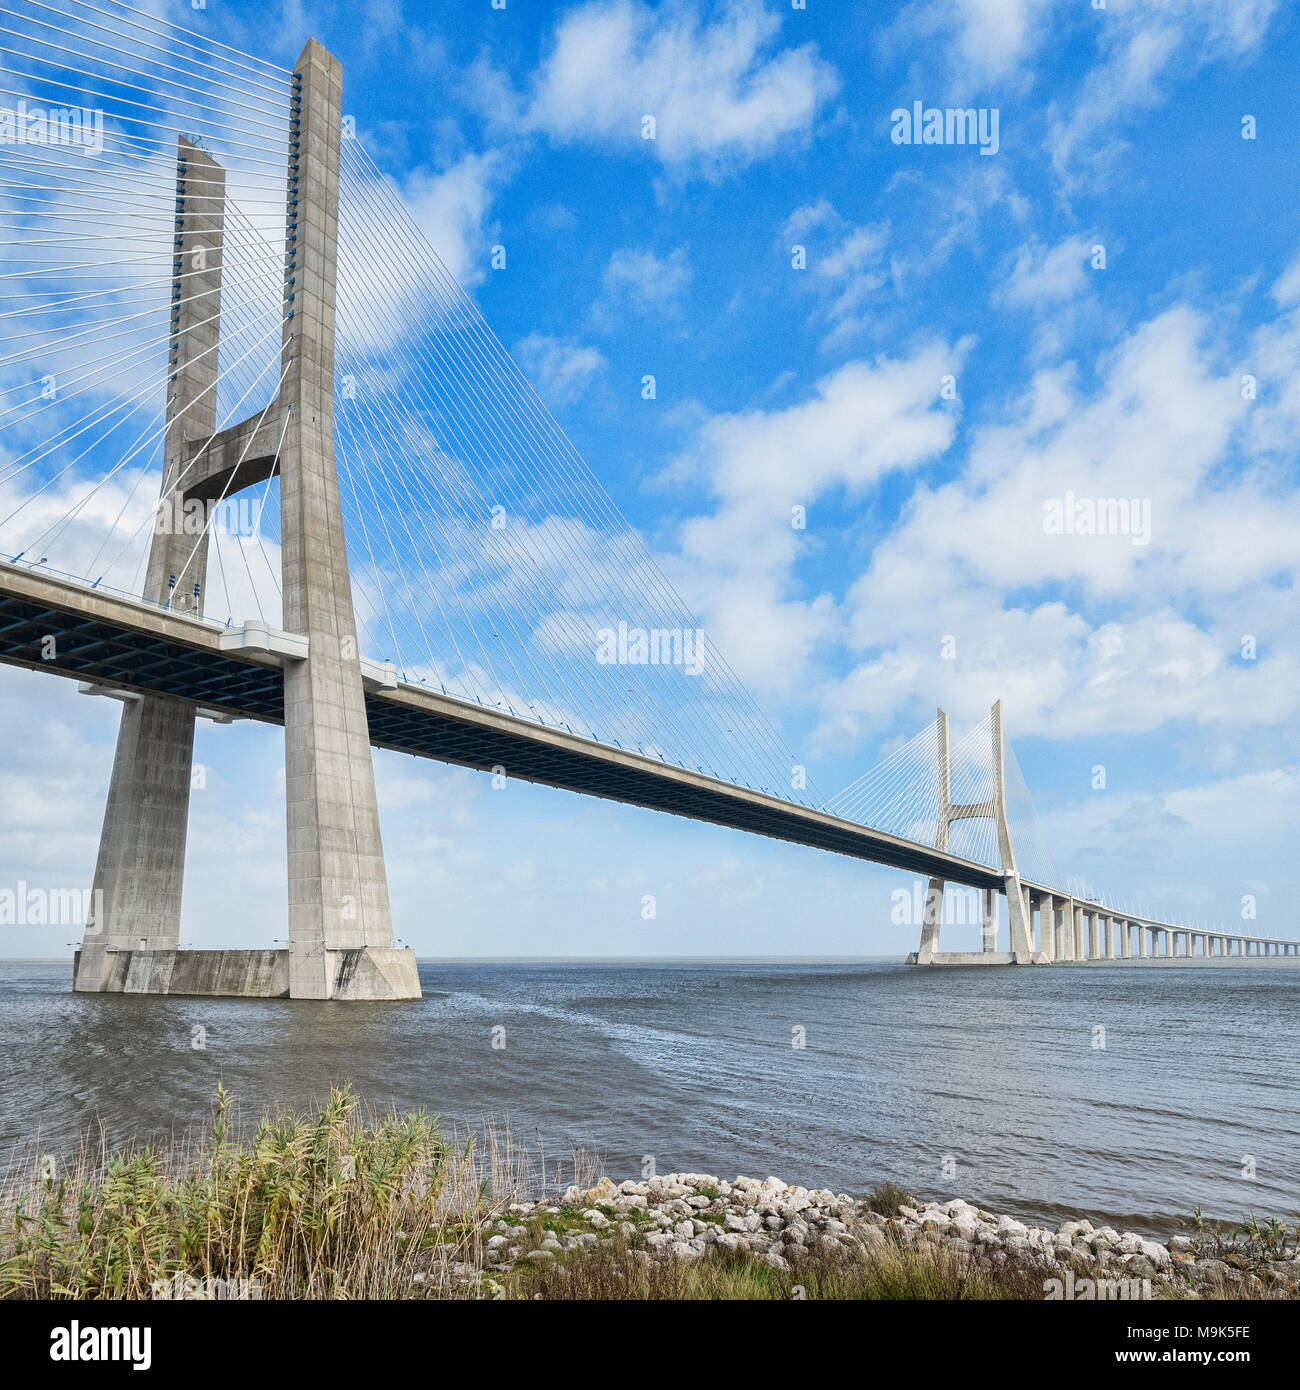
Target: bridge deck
{"points": [[105, 638]]}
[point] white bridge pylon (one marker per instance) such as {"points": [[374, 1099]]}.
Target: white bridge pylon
{"points": [[991, 808], [968, 798], [953, 796]]}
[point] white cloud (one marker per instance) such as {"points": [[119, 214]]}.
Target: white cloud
{"points": [[1042, 276], [863, 422], [987, 40], [722, 92], [1149, 633], [451, 209], [643, 283], [559, 371], [1143, 47], [845, 263]]}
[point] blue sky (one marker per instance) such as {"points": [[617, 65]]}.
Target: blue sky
{"points": [[1119, 128]]}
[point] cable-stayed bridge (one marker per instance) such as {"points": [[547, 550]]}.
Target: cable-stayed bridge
{"points": [[262, 458]]}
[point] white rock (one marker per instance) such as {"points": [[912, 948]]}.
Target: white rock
{"points": [[1156, 1253]]}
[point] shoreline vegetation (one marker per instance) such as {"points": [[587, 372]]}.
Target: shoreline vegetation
{"points": [[337, 1203]]}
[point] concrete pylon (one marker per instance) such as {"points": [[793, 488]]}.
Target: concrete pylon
{"points": [[988, 920], [340, 925], [932, 913], [338, 889], [1019, 907], [140, 867], [1022, 942]]}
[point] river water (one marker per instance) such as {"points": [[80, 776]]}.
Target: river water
{"points": [[1128, 1094]]}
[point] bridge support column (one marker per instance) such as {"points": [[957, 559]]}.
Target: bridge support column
{"points": [[338, 887], [1046, 926], [1108, 930], [1094, 936], [340, 927], [1080, 952], [931, 921], [988, 920], [140, 868], [1142, 940]]}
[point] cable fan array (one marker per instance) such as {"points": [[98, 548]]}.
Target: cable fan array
{"points": [[89, 285], [902, 795], [487, 559], [500, 568]]}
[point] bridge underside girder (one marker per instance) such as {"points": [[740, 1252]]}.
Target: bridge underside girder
{"points": [[115, 646]]}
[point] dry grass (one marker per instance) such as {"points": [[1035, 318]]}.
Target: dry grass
{"points": [[880, 1271], [330, 1204]]}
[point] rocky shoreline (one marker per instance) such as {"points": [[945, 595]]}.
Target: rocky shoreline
{"points": [[686, 1216]]}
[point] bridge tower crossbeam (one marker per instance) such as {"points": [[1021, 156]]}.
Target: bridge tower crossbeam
{"points": [[1019, 904]]}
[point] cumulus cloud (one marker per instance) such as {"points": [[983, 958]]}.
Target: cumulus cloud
{"points": [[1089, 633], [560, 371], [1142, 48], [641, 282], [861, 423], [452, 208], [722, 92], [1041, 276], [845, 263], [984, 40]]}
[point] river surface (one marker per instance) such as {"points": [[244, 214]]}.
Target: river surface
{"points": [[990, 1084]]}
